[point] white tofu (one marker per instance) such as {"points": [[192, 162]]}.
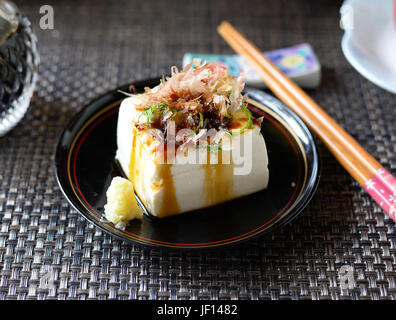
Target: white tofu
{"points": [[170, 189]]}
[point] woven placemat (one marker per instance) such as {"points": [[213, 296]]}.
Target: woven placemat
{"points": [[341, 247]]}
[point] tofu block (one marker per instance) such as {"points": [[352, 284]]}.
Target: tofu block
{"points": [[193, 177]]}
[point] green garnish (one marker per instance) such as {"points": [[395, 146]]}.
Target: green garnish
{"points": [[201, 120], [249, 123], [148, 112], [163, 106], [155, 110], [227, 115], [174, 111], [214, 148]]}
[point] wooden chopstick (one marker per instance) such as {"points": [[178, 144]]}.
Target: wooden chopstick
{"points": [[364, 168]]}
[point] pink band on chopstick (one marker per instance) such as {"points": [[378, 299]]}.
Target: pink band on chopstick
{"points": [[382, 187], [394, 12]]}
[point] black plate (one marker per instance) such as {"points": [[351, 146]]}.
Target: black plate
{"points": [[85, 166]]}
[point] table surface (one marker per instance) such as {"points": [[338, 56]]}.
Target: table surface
{"points": [[48, 251]]}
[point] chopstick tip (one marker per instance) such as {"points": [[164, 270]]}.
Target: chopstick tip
{"points": [[222, 25]]}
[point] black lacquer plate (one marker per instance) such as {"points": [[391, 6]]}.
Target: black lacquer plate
{"points": [[85, 166]]}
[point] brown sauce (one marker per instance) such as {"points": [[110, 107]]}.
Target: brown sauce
{"points": [[169, 201], [135, 172], [131, 174], [217, 186], [169, 204], [218, 181]]}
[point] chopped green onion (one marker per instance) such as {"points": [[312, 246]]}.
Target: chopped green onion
{"points": [[148, 112], [143, 113], [249, 123], [227, 115], [163, 106], [153, 112], [201, 120], [174, 110], [214, 148]]}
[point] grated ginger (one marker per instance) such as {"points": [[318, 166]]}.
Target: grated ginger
{"points": [[121, 205]]}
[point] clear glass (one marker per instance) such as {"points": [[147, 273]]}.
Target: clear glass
{"points": [[17, 42]]}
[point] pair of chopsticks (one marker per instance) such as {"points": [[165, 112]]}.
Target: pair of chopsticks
{"points": [[366, 170]]}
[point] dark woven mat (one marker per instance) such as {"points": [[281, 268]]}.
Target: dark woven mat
{"points": [[47, 251]]}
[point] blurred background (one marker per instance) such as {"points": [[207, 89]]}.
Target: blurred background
{"points": [[123, 41]]}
